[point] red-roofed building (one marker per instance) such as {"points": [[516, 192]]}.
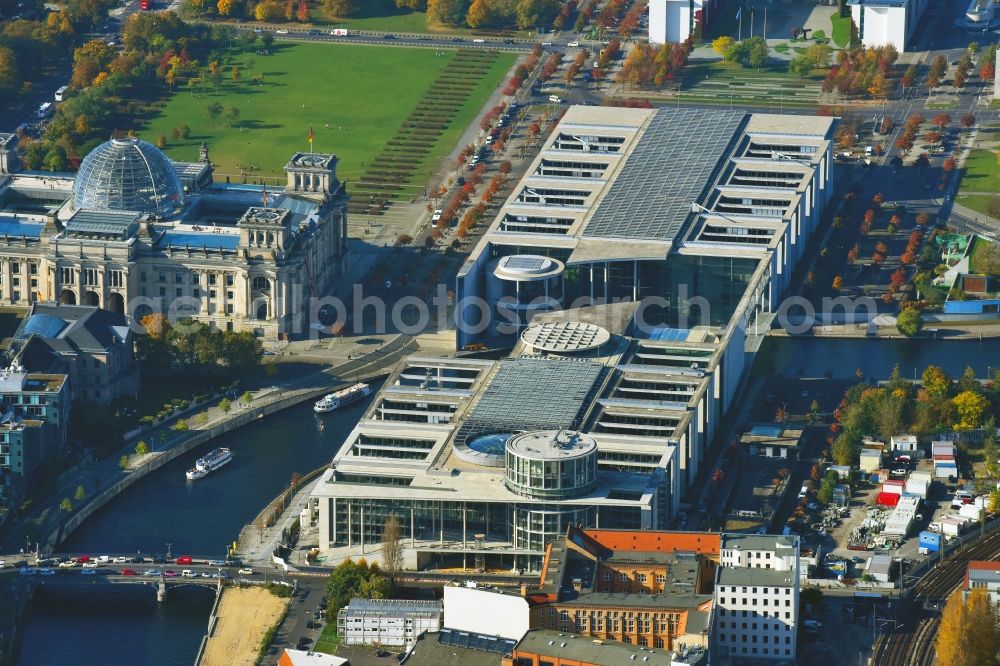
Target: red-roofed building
{"points": [[983, 574]]}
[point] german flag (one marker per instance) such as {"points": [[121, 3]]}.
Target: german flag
{"points": [[310, 137]]}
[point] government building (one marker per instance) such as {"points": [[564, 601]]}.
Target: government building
{"points": [[630, 278], [134, 232]]}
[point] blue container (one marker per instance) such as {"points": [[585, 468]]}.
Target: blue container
{"points": [[931, 541]]}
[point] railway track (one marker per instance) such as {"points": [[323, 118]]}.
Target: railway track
{"points": [[911, 641]]}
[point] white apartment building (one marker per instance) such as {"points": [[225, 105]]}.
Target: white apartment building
{"points": [[881, 22], [395, 622], [756, 599]]}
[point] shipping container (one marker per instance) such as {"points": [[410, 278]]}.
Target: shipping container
{"points": [[893, 487], [930, 542], [887, 499], [922, 475], [918, 488], [970, 511]]}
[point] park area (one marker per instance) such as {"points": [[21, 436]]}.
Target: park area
{"points": [[354, 99], [980, 182]]}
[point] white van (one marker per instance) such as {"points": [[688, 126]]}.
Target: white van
{"points": [[61, 94], [803, 491], [45, 110]]}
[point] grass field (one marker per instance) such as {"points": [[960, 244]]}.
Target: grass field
{"points": [[328, 641], [976, 202], [718, 82], [978, 248], [841, 29], [981, 172], [353, 98]]}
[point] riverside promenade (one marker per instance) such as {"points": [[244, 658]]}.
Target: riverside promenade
{"points": [[46, 526]]}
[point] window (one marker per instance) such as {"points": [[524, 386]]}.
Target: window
{"points": [[211, 278], [15, 267], [179, 292], [642, 578], [178, 277], [211, 293], [607, 575], [33, 269], [196, 293], [142, 276], [229, 308], [162, 277], [624, 576], [230, 280]]}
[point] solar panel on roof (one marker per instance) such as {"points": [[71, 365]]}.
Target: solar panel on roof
{"points": [[673, 164]]}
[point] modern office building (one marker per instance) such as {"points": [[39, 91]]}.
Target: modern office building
{"points": [[35, 416], [95, 347], [756, 599], [633, 272], [881, 22], [134, 233], [673, 21], [389, 622]]}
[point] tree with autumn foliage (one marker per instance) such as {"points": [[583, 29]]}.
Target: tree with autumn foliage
{"points": [[302, 11], [968, 635], [941, 120], [838, 283]]}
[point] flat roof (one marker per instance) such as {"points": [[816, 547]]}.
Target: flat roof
{"points": [[552, 445], [12, 226], [673, 165], [195, 239], [531, 393], [757, 541], [393, 606], [577, 648], [754, 576]]}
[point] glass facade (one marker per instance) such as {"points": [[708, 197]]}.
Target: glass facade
{"points": [[551, 479], [537, 525], [128, 174]]}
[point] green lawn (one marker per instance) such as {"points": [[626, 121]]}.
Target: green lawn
{"points": [[841, 29], [353, 97], [328, 641], [980, 172], [978, 248], [976, 202]]}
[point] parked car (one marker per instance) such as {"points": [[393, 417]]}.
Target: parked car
{"points": [[128, 572], [67, 564], [281, 31], [246, 571], [82, 559], [46, 571], [89, 572], [187, 573], [90, 565], [184, 559], [478, 40], [120, 560], [169, 573], [217, 563], [437, 215], [555, 99], [152, 572], [573, 43]]}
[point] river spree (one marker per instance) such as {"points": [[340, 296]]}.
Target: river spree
{"points": [[127, 626], [203, 517]]}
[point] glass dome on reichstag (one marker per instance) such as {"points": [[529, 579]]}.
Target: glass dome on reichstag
{"points": [[128, 174]]}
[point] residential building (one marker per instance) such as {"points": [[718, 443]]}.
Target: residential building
{"points": [[771, 440], [134, 233], [756, 599], [95, 347], [881, 22], [35, 416], [395, 622], [980, 574]]}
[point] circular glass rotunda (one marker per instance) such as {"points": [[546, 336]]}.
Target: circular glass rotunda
{"points": [[128, 174]]}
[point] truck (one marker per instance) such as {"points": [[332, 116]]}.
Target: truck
{"points": [[45, 110]]}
